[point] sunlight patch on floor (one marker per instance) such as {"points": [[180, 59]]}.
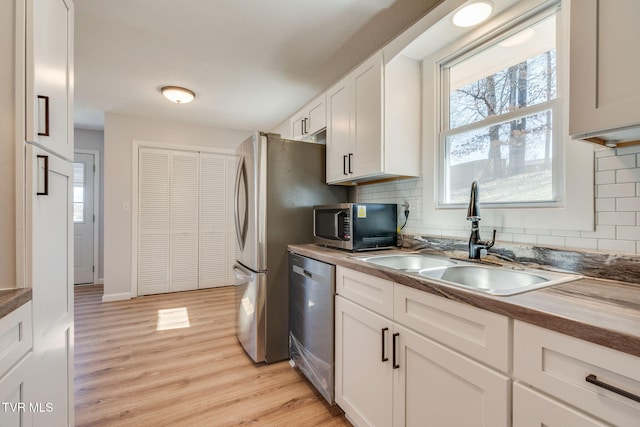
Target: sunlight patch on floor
{"points": [[173, 318]]}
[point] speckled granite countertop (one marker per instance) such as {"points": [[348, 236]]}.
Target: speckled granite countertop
{"points": [[604, 312], [10, 299]]}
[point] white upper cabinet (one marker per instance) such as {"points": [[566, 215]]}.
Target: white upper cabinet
{"points": [[309, 120], [605, 65], [49, 79], [373, 122]]}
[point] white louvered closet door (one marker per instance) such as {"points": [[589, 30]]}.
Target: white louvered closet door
{"points": [[153, 221], [213, 214], [184, 221]]}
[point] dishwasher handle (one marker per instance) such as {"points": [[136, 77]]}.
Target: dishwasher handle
{"points": [[302, 271]]}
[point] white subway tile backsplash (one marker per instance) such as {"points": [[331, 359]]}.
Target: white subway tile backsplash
{"points": [[625, 246], [631, 204], [581, 243], [616, 218], [551, 241], [565, 233], [616, 190], [617, 205], [601, 232], [529, 239], [617, 162], [605, 177], [606, 205], [628, 175], [628, 233]]}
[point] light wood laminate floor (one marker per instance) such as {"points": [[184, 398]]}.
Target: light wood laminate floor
{"points": [[173, 360]]}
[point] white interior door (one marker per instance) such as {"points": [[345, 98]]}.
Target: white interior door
{"points": [[83, 217], [213, 230], [153, 221]]}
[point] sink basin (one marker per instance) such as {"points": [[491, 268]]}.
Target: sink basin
{"points": [[407, 262], [497, 280]]}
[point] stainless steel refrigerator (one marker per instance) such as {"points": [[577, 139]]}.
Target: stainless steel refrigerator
{"points": [[278, 182]]}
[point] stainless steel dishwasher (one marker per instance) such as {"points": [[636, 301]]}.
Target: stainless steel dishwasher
{"points": [[312, 286]]}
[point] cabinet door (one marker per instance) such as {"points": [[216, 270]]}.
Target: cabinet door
{"points": [[435, 386], [338, 132], [364, 387], [366, 118], [16, 395], [532, 409], [316, 115], [605, 89], [50, 244], [49, 84], [297, 127]]}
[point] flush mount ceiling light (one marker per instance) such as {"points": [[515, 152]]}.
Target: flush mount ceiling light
{"points": [[177, 94], [472, 13]]}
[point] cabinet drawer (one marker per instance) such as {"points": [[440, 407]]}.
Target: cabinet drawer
{"points": [[559, 365], [477, 333], [369, 291], [532, 409], [15, 336]]}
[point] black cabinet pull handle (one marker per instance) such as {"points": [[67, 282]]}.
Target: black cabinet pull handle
{"points": [[395, 365], [594, 380], [304, 126], [384, 351], [45, 172], [350, 156], [344, 164], [43, 101]]}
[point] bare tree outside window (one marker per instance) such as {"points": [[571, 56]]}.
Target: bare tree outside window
{"points": [[500, 125]]}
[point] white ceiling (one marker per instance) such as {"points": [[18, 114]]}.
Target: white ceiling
{"points": [[252, 63]]}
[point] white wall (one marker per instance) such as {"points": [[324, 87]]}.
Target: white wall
{"points": [[94, 140], [616, 204], [119, 132], [7, 144]]}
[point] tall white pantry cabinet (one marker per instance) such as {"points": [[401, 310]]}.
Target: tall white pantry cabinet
{"points": [[43, 140]]}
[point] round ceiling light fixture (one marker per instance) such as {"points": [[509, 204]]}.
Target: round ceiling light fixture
{"points": [[177, 94], [472, 13]]}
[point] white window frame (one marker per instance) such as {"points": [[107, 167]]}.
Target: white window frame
{"points": [[555, 105], [574, 211]]}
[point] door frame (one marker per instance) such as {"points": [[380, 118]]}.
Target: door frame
{"points": [[96, 207], [135, 149]]}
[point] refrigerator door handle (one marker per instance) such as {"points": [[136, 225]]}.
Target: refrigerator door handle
{"points": [[241, 223]]}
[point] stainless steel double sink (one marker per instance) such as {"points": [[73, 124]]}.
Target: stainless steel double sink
{"points": [[490, 279]]}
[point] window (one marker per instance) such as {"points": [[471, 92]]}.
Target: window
{"points": [[78, 192], [500, 119]]}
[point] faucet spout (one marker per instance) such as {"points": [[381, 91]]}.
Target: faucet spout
{"points": [[473, 211], [476, 244]]}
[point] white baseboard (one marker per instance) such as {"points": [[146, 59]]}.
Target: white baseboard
{"points": [[117, 297]]}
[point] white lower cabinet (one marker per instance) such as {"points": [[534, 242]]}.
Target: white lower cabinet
{"points": [[533, 409], [435, 386], [364, 382], [16, 368], [599, 381], [390, 375]]}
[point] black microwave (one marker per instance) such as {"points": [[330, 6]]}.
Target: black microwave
{"points": [[356, 226]]}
